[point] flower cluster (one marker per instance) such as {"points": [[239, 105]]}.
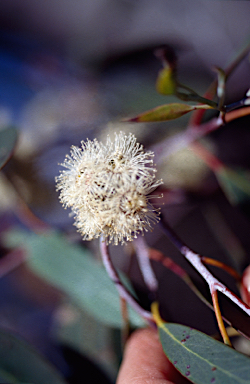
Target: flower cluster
{"points": [[108, 188]]}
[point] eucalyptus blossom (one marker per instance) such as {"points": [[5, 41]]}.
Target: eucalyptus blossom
{"points": [[108, 187]]}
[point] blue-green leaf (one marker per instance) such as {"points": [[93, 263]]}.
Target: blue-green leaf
{"points": [[21, 363], [73, 269], [202, 359]]}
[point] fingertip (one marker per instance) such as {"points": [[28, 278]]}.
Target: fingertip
{"points": [[145, 361]]}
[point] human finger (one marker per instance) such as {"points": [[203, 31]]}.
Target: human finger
{"points": [[145, 362]]}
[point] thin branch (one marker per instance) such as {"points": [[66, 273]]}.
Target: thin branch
{"points": [[208, 157], [197, 98], [220, 322], [193, 133], [236, 114], [142, 253], [213, 283], [209, 94], [181, 140], [196, 262], [182, 274], [216, 263], [123, 292], [179, 272]]}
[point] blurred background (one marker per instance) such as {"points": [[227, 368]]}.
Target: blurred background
{"points": [[71, 70]]}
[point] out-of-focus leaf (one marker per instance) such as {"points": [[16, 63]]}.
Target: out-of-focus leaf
{"points": [[87, 336], [8, 138], [165, 83], [235, 184], [72, 269], [166, 112], [21, 363], [202, 359], [6, 377]]}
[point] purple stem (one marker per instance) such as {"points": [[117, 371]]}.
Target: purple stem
{"points": [[123, 292]]}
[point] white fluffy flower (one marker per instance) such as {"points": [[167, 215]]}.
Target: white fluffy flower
{"points": [[108, 188]]}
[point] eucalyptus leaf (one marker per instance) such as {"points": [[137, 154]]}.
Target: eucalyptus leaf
{"points": [[166, 112], [202, 359], [72, 269], [8, 138], [21, 363]]}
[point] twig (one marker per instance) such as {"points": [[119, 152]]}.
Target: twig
{"points": [[181, 140], [209, 94], [208, 157], [216, 263], [213, 283], [142, 253], [195, 260], [182, 274], [123, 292], [218, 315], [179, 272], [236, 114], [193, 133]]}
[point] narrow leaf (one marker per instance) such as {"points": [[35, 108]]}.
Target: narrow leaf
{"points": [[73, 269], [21, 363], [8, 138], [165, 83], [166, 112], [202, 359]]}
